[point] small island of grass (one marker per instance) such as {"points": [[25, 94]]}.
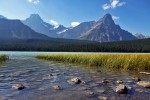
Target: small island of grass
{"points": [[3, 58], [124, 62]]}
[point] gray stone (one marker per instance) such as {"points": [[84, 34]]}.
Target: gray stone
{"points": [[145, 84], [122, 89], [56, 87], [18, 86], [136, 79], [119, 81], [102, 98], [74, 80]]}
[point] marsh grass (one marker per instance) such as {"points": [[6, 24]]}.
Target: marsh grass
{"points": [[3, 58], [110, 61]]}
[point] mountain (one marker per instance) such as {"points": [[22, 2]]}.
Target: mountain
{"points": [[10, 29], [106, 30], [141, 36], [36, 23], [2, 17], [76, 32]]}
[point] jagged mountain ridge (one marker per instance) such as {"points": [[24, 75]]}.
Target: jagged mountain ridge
{"points": [[105, 30], [11, 29], [36, 23], [141, 36], [76, 32]]}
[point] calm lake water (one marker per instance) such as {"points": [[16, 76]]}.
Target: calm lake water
{"points": [[24, 68]]}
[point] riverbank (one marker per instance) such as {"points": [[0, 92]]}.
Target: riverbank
{"points": [[3, 57], [124, 62]]}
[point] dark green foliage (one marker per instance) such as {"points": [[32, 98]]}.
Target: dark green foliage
{"points": [[64, 45]]}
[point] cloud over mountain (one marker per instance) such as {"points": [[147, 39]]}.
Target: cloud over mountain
{"points": [[34, 1], [113, 4], [74, 24]]}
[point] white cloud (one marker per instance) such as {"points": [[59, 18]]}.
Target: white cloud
{"points": [[113, 4], [74, 24], [34, 1], [106, 6], [115, 17], [56, 24], [121, 3]]}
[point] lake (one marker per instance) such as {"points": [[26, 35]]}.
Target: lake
{"points": [[40, 76]]}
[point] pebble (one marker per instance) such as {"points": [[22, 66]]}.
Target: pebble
{"points": [[56, 87], [102, 98], [18, 86], [145, 84], [122, 89], [119, 81]]}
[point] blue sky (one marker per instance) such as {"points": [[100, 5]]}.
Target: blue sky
{"points": [[131, 15]]}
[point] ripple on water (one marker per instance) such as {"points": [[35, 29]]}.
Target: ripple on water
{"points": [[39, 77]]}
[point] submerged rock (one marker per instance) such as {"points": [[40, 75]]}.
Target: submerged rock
{"points": [[136, 79], [56, 87], [119, 81], [18, 86], [122, 89], [129, 88], [74, 80], [106, 81], [147, 73], [145, 84], [90, 92], [102, 98]]}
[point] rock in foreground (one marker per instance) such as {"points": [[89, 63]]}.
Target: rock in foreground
{"points": [[56, 87], [145, 84], [75, 80], [121, 89], [18, 86]]}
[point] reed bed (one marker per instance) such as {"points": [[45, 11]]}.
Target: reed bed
{"points": [[3, 57], [112, 61]]}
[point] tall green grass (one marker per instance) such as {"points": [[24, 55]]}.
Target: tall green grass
{"points": [[3, 57], [112, 61]]}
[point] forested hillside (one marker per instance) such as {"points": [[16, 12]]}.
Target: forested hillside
{"points": [[75, 46]]}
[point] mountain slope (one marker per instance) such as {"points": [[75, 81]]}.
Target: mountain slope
{"points": [[37, 24], [141, 36], [76, 32], [2, 17], [16, 29], [106, 30]]}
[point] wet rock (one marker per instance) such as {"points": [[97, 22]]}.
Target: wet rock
{"points": [[18, 86], [121, 89], [2, 75], [50, 75], [84, 88], [119, 81], [106, 81], [102, 98], [130, 81], [145, 84], [90, 92], [98, 82], [94, 85], [74, 80], [147, 73], [136, 79], [129, 88], [56, 87], [83, 82], [100, 91]]}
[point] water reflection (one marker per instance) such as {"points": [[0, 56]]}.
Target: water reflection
{"points": [[39, 77]]}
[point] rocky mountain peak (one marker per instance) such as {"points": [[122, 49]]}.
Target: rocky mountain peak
{"points": [[35, 17], [107, 20]]}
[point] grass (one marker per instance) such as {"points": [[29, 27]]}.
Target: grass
{"points": [[124, 62], [3, 57]]}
